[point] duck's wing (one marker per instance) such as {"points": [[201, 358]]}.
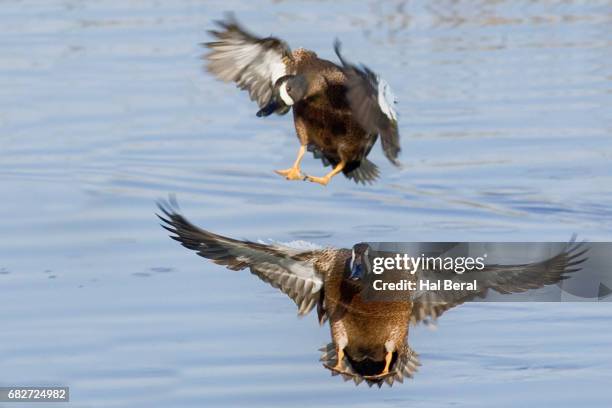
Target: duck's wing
{"points": [[504, 279], [372, 102], [289, 269], [254, 63]]}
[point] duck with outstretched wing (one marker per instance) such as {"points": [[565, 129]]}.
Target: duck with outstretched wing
{"points": [[339, 111], [369, 338]]}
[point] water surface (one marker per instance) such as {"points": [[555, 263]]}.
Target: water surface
{"points": [[506, 131]]}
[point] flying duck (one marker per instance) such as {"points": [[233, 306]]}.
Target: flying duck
{"points": [[369, 337], [338, 110]]}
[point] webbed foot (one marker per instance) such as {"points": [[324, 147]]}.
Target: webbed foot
{"points": [[292, 173], [321, 180]]}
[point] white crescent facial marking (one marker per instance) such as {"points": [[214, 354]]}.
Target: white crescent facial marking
{"points": [[366, 259], [285, 95], [386, 99], [352, 259]]}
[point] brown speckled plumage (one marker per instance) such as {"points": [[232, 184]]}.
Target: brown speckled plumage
{"points": [[364, 333], [329, 101], [364, 326]]}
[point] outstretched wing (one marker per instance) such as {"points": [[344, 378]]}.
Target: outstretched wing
{"points": [[283, 267], [253, 63], [503, 279], [371, 101]]}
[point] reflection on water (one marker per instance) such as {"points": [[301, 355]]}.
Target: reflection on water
{"points": [[505, 123]]}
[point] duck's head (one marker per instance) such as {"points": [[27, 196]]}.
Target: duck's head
{"points": [[290, 89], [359, 261]]}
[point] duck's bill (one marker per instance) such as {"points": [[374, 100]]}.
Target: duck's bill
{"points": [[274, 106], [405, 366]]}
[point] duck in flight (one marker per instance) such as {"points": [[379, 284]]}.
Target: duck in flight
{"points": [[369, 337], [339, 111]]}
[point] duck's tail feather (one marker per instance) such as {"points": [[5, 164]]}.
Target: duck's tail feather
{"points": [[366, 173], [406, 365]]}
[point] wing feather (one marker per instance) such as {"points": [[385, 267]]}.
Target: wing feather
{"points": [[371, 101], [285, 268], [253, 63], [504, 279]]}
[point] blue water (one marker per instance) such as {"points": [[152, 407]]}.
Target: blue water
{"points": [[506, 131]]}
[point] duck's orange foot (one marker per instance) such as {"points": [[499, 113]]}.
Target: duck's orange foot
{"points": [[379, 377], [338, 368], [292, 173], [321, 180]]}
